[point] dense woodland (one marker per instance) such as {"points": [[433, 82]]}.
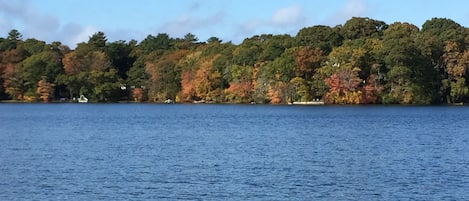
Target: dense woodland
{"points": [[363, 61]]}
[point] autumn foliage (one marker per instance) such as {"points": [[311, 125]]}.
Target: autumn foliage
{"points": [[137, 94], [363, 61], [44, 90], [239, 92], [343, 87]]}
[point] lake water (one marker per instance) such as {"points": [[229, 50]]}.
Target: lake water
{"points": [[233, 152]]}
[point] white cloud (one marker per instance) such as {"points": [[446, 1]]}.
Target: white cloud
{"points": [[252, 25], [288, 16], [187, 23], [23, 13], [77, 33], [286, 20], [352, 8], [23, 16]]}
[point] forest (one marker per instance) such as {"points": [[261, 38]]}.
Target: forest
{"points": [[363, 61]]}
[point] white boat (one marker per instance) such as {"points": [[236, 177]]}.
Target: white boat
{"points": [[315, 102], [82, 99]]}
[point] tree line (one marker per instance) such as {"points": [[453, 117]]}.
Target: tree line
{"points": [[363, 61]]}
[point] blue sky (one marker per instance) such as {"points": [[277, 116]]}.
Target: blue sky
{"points": [[73, 21]]}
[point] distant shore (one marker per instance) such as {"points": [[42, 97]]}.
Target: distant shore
{"points": [[299, 103]]}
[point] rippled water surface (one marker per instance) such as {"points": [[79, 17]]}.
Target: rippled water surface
{"points": [[232, 152]]}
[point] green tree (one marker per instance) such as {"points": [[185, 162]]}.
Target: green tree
{"points": [[137, 76], [276, 76], [301, 89], [98, 41], [353, 60], [320, 36], [399, 85], [411, 77], [81, 68], [247, 53], [161, 43], [120, 54], [41, 66], [190, 38], [187, 43], [282, 68], [14, 37], [272, 46], [359, 27], [32, 46], [105, 85], [434, 36], [214, 39], [240, 83], [459, 90], [15, 84]]}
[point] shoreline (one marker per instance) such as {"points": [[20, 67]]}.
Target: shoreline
{"points": [[305, 103]]}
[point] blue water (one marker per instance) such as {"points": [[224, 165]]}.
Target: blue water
{"points": [[232, 152]]}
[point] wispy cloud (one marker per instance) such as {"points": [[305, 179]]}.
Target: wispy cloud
{"points": [[189, 23], [351, 8], [251, 26], [23, 16], [282, 20], [288, 16], [76, 33], [22, 12]]}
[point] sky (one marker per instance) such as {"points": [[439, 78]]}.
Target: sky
{"points": [[74, 21]]}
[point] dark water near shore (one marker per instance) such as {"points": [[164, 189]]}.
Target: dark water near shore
{"points": [[232, 152]]}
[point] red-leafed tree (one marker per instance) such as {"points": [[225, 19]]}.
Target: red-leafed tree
{"points": [[343, 87], [307, 60], [137, 94]]}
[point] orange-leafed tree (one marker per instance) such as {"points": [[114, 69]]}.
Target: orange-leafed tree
{"points": [[343, 87], [372, 90], [240, 80], [208, 81], [137, 94], [456, 66], [10, 72], [279, 92], [240, 92], [188, 66], [165, 76], [187, 93], [44, 90], [307, 60], [81, 64], [71, 64]]}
